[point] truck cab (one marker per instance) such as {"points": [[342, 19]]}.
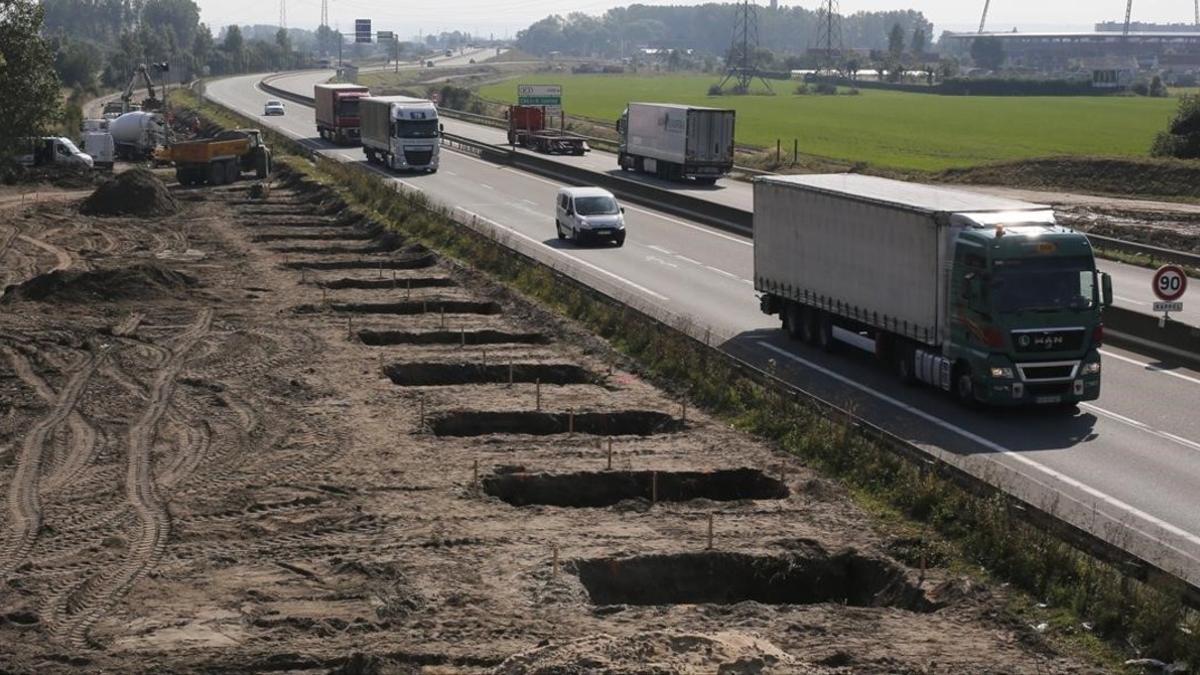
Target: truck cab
{"points": [[401, 132], [1025, 305]]}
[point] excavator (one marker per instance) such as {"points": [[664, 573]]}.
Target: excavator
{"points": [[152, 103]]}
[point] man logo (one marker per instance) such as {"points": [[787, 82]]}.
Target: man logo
{"points": [[1023, 340]]}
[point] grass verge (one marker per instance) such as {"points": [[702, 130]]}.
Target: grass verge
{"points": [[1092, 608]]}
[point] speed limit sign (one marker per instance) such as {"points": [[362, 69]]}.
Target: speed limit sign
{"points": [[1170, 283]]}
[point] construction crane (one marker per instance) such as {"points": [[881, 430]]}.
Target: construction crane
{"points": [[1128, 16], [151, 102], [983, 19]]}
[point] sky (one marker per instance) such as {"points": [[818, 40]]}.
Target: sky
{"points": [[484, 17]]}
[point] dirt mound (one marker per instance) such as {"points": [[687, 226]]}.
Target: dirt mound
{"points": [[656, 652], [1089, 175], [119, 283], [137, 192]]}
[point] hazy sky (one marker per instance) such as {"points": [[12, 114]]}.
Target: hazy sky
{"points": [[491, 16]]}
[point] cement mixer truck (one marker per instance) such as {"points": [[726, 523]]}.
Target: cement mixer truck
{"points": [[136, 135]]}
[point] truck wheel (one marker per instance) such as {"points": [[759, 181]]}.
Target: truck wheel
{"points": [[512, 138], [964, 386], [232, 171], [793, 320], [216, 173], [808, 325], [825, 339], [706, 180], [262, 164], [903, 357]]}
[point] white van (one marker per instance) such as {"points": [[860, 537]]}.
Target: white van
{"points": [[99, 144], [589, 214]]}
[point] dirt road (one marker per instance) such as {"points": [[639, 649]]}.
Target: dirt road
{"points": [[265, 435]]}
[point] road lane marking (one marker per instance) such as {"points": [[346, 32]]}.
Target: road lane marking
{"points": [[1142, 426], [581, 261], [660, 249], [686, 259], [722, 272], [1150, 367], [1130, 300], [486, 186], [1000, 449]]}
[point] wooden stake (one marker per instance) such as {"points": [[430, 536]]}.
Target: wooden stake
{"points": [[393, 280], [610, 454], [485, 360], [538, 387], [380, 269], [710, 531], [510, 372], [683, 411], [554, 560], [653, 488], [442, 310], [475, 473], [303, 275], [571, 421], [421, 424], [324, 296], [350, 326], [408, 289], [462, 338]]}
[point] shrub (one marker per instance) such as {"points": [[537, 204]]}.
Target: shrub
{"points": [[803, 90], [1182, 137], [826, 89], [714, 90]]}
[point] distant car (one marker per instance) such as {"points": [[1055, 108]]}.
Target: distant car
{"points": [[429, 64], [273, 108], [589, 214]]}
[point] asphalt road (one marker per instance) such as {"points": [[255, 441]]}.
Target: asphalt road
{"points": [[1132, 283], [1126, 468]]}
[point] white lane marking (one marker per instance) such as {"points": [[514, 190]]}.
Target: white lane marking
{"points": [[451, 173], [486, 186], [1142, 426], [698, 228], [996, 447], [722, 272], [686, 259], [581, 261], [660, 261], [1129, 300], [1150, 367], [748, 282], [660, 249], [530, 202]]}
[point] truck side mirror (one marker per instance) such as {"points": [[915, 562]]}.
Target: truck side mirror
{"points": [[1106, 291], [442, 128], [618, 126]]}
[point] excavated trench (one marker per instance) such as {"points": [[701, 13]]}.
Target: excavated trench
{"points": [[620, 423], [722, 578], [592, 489], [347, 234], [412, 263], [382, 338], [442, 374], [484, 307], [389, 283]]}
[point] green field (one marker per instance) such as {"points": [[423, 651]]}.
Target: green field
{"points": [[888, 129]]}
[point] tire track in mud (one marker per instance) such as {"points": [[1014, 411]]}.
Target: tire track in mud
{"points": [[24, 500], [63, 259], [79, 608]]}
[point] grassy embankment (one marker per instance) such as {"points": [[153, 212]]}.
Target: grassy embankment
{"points": [[942, 524]]}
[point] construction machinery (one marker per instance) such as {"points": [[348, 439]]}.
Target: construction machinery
{"points": [[152, 102], [220, 159], [530, 126]]}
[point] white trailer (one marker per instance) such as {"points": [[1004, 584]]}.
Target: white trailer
{"points": [[400, 132], [676, 141]]}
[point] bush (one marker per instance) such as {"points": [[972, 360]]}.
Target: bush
{"points": [[1182, 138], [853, 91], [714, 90], [1141, 88], [803, 90], [1157, 88], [826, 89]]}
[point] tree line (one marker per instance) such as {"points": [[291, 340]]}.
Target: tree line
{"points": [[705, 29]]}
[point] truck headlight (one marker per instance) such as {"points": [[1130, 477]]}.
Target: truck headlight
{"points": [[1091, 368], [1002, 373]]}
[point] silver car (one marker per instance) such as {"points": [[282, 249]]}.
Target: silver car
{"points": [[273, 108]]}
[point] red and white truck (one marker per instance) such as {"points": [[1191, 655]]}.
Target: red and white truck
{"points": [[337, 111], [531, 126]]}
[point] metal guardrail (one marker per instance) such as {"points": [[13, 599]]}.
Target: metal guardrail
{"points": [[1128, 563]]}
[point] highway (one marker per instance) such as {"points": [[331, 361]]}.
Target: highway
{"points": [[1133, 283], [1126, 468]]}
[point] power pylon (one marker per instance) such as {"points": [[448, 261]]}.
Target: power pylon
{"points": [[742, 63], [983, 19], [829, 36]]}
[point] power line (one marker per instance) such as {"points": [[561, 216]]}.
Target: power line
{"points": [[741, 64]]}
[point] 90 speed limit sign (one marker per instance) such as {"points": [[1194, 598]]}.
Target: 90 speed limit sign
{"points": [[1170, 283]]}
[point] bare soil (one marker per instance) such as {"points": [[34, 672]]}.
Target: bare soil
{"points": [[204, 479]]}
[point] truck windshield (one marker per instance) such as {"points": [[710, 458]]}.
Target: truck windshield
{"points": [[416, 128], [596, 206], [1043, 284], [347, 107]]}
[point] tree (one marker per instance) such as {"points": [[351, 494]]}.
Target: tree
{"points": [[285, 47], [1182, 137], [919, 42], [896, 42], [235, 47], [988, 52], [30, 103]]}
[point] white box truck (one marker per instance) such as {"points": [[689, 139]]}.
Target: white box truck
{"points": [[983, 296], [676, 141], [400, 132]]}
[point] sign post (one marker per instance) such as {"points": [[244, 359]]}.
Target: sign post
{"points": [[1170, 283]]}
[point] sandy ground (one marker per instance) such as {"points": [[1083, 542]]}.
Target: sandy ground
{"points": [[275, 441]]}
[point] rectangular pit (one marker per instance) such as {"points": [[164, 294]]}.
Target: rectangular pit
{"points": [[383, 338], [621, 423], [388, 284], [342, 234], [483, 307], [723, 578], [446, 374], [604, 488], [410, 263]]}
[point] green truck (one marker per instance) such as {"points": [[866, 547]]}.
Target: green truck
{"points": [[984, 297]]}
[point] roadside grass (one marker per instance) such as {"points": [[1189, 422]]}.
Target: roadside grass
{"points": [[1092, 609], [887, 129]]}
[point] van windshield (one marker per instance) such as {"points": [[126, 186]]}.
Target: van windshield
{"points": [[1043, 284], [596, 206]]}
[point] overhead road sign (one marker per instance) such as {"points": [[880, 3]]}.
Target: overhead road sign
{"points": [[362, 30], [385, 35]]}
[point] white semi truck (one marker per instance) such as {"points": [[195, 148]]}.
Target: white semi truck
{"points": [[400, 132], [676, 141], [981, 296]]}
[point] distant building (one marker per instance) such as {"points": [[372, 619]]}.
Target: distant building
{"points": [[1060, 51]]}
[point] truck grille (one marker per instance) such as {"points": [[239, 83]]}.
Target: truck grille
{"points": [[1049, 340], [1052, 389], [418, 157], [1054, 371]]}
